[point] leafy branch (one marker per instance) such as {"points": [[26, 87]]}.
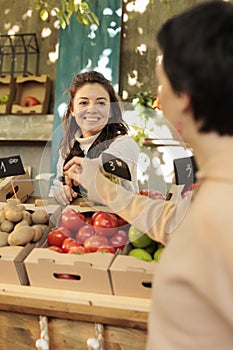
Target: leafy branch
{"points": [[68, 8], [146, 105]]}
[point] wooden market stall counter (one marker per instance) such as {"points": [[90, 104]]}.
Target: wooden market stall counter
{"points": [[71, 318]]}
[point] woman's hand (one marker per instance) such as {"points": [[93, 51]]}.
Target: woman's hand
{"points": [[64, 194], [73, 166], [82, 170]]}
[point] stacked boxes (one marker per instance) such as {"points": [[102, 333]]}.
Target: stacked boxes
{"points": [[37, 86], [7, 93], [19, 186], [14, 90]]}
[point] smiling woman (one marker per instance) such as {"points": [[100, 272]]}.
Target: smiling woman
{"points": [[91, 108], [92, 124]]}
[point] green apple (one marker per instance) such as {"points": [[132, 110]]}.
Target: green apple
{"points": [[152, 248], [158, 253], [4, 99], [138, 238], [141, 254]]}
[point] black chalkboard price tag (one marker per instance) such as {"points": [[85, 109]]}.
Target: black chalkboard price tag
{"points": [[185, 169], [115, 166], [11, 166]]}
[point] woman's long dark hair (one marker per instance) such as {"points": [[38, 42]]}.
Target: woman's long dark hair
{"points": [[115, 128]]}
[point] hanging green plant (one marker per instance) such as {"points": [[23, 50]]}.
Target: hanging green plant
{"points": [[80, 9], [146, 106]]}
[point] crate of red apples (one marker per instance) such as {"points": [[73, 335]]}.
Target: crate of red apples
{"points": [[95, 251]]}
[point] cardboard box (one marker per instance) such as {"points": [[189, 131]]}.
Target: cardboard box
{"points": [[7, 88], [20, 186], [38, 86], [131, 276], [103, 273], [91, 270], [11, 257]]}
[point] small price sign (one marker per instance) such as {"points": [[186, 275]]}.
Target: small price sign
{"points": [[11, 166], [185, 169], [115, 166]]}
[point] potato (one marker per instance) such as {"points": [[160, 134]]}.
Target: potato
{"points": [[7, 226], [21, 206], [13, 201], [21, 236], [13, 214], [21, 223], [27, 216], [44, 227], [41, 202], [3, 239], [2, 216], [39, 230], [40, 216]]}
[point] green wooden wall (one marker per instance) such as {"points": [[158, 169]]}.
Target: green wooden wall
{"points": [[86, 47]]}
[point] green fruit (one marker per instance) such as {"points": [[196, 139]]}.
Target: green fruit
{"points": [[160, 245], [141, 254], [4, 99], [152, 248], [157, 254], [138, 238]]}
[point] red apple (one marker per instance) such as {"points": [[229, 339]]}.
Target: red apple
{"points": [[29, 101], [187, 190], [154, 194]]}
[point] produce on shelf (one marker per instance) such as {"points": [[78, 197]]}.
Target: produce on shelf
{"points": [[19, 226], [4, 99], [100, 231], [158, 253], [81, 233], [138, 238], [141, 254], [29, 101], [154, 194]]}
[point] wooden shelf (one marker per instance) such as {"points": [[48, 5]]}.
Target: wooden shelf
{"points": [[89, 307], [26, 127], [72, 317]]}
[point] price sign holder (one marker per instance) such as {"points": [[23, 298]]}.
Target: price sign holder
{"points": [[185, 169], [11, 166]]}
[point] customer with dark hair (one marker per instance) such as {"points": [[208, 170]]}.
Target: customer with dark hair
{"points": [[92, 124], [192, 300]]}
